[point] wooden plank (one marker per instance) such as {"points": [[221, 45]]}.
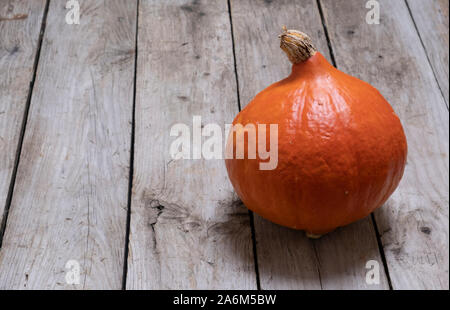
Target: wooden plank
{"points": [[431, 19], [70, 198], [414, 221], [20, 23], [286, 258], [188, 229]]}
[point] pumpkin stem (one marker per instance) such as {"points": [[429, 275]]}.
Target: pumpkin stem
{"points": [[297, 45]]}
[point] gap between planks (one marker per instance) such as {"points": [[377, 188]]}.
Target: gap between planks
{"points": [[432, 68], [252, 221], [130, 181], [9, 196]]}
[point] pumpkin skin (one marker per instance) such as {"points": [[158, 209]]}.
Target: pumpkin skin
{"points": [[341, 150]]}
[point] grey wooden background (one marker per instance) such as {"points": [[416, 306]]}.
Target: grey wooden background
{"points": [[86, 174]]}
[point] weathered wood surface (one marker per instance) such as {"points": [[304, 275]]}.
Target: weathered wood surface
{"points": [[20, 24], [286, 258], [431, 19], [188, 229], [70, 197], [414, 222]]}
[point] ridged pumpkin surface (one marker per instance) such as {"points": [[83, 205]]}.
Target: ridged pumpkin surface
{"points": [[341, 150]]}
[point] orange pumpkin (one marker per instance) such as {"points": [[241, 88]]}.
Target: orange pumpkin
{"points": [[341, 148]]}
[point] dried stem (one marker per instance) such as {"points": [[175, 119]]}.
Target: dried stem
{"points": [[297, 45]]}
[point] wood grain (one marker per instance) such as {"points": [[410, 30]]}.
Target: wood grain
{"points": [[70, 197], [431, 19], [188, 229], [20, 23], [287, 259], [414, 221]]}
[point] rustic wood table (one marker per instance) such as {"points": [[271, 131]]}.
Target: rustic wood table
{"points": [[91, 199]]}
